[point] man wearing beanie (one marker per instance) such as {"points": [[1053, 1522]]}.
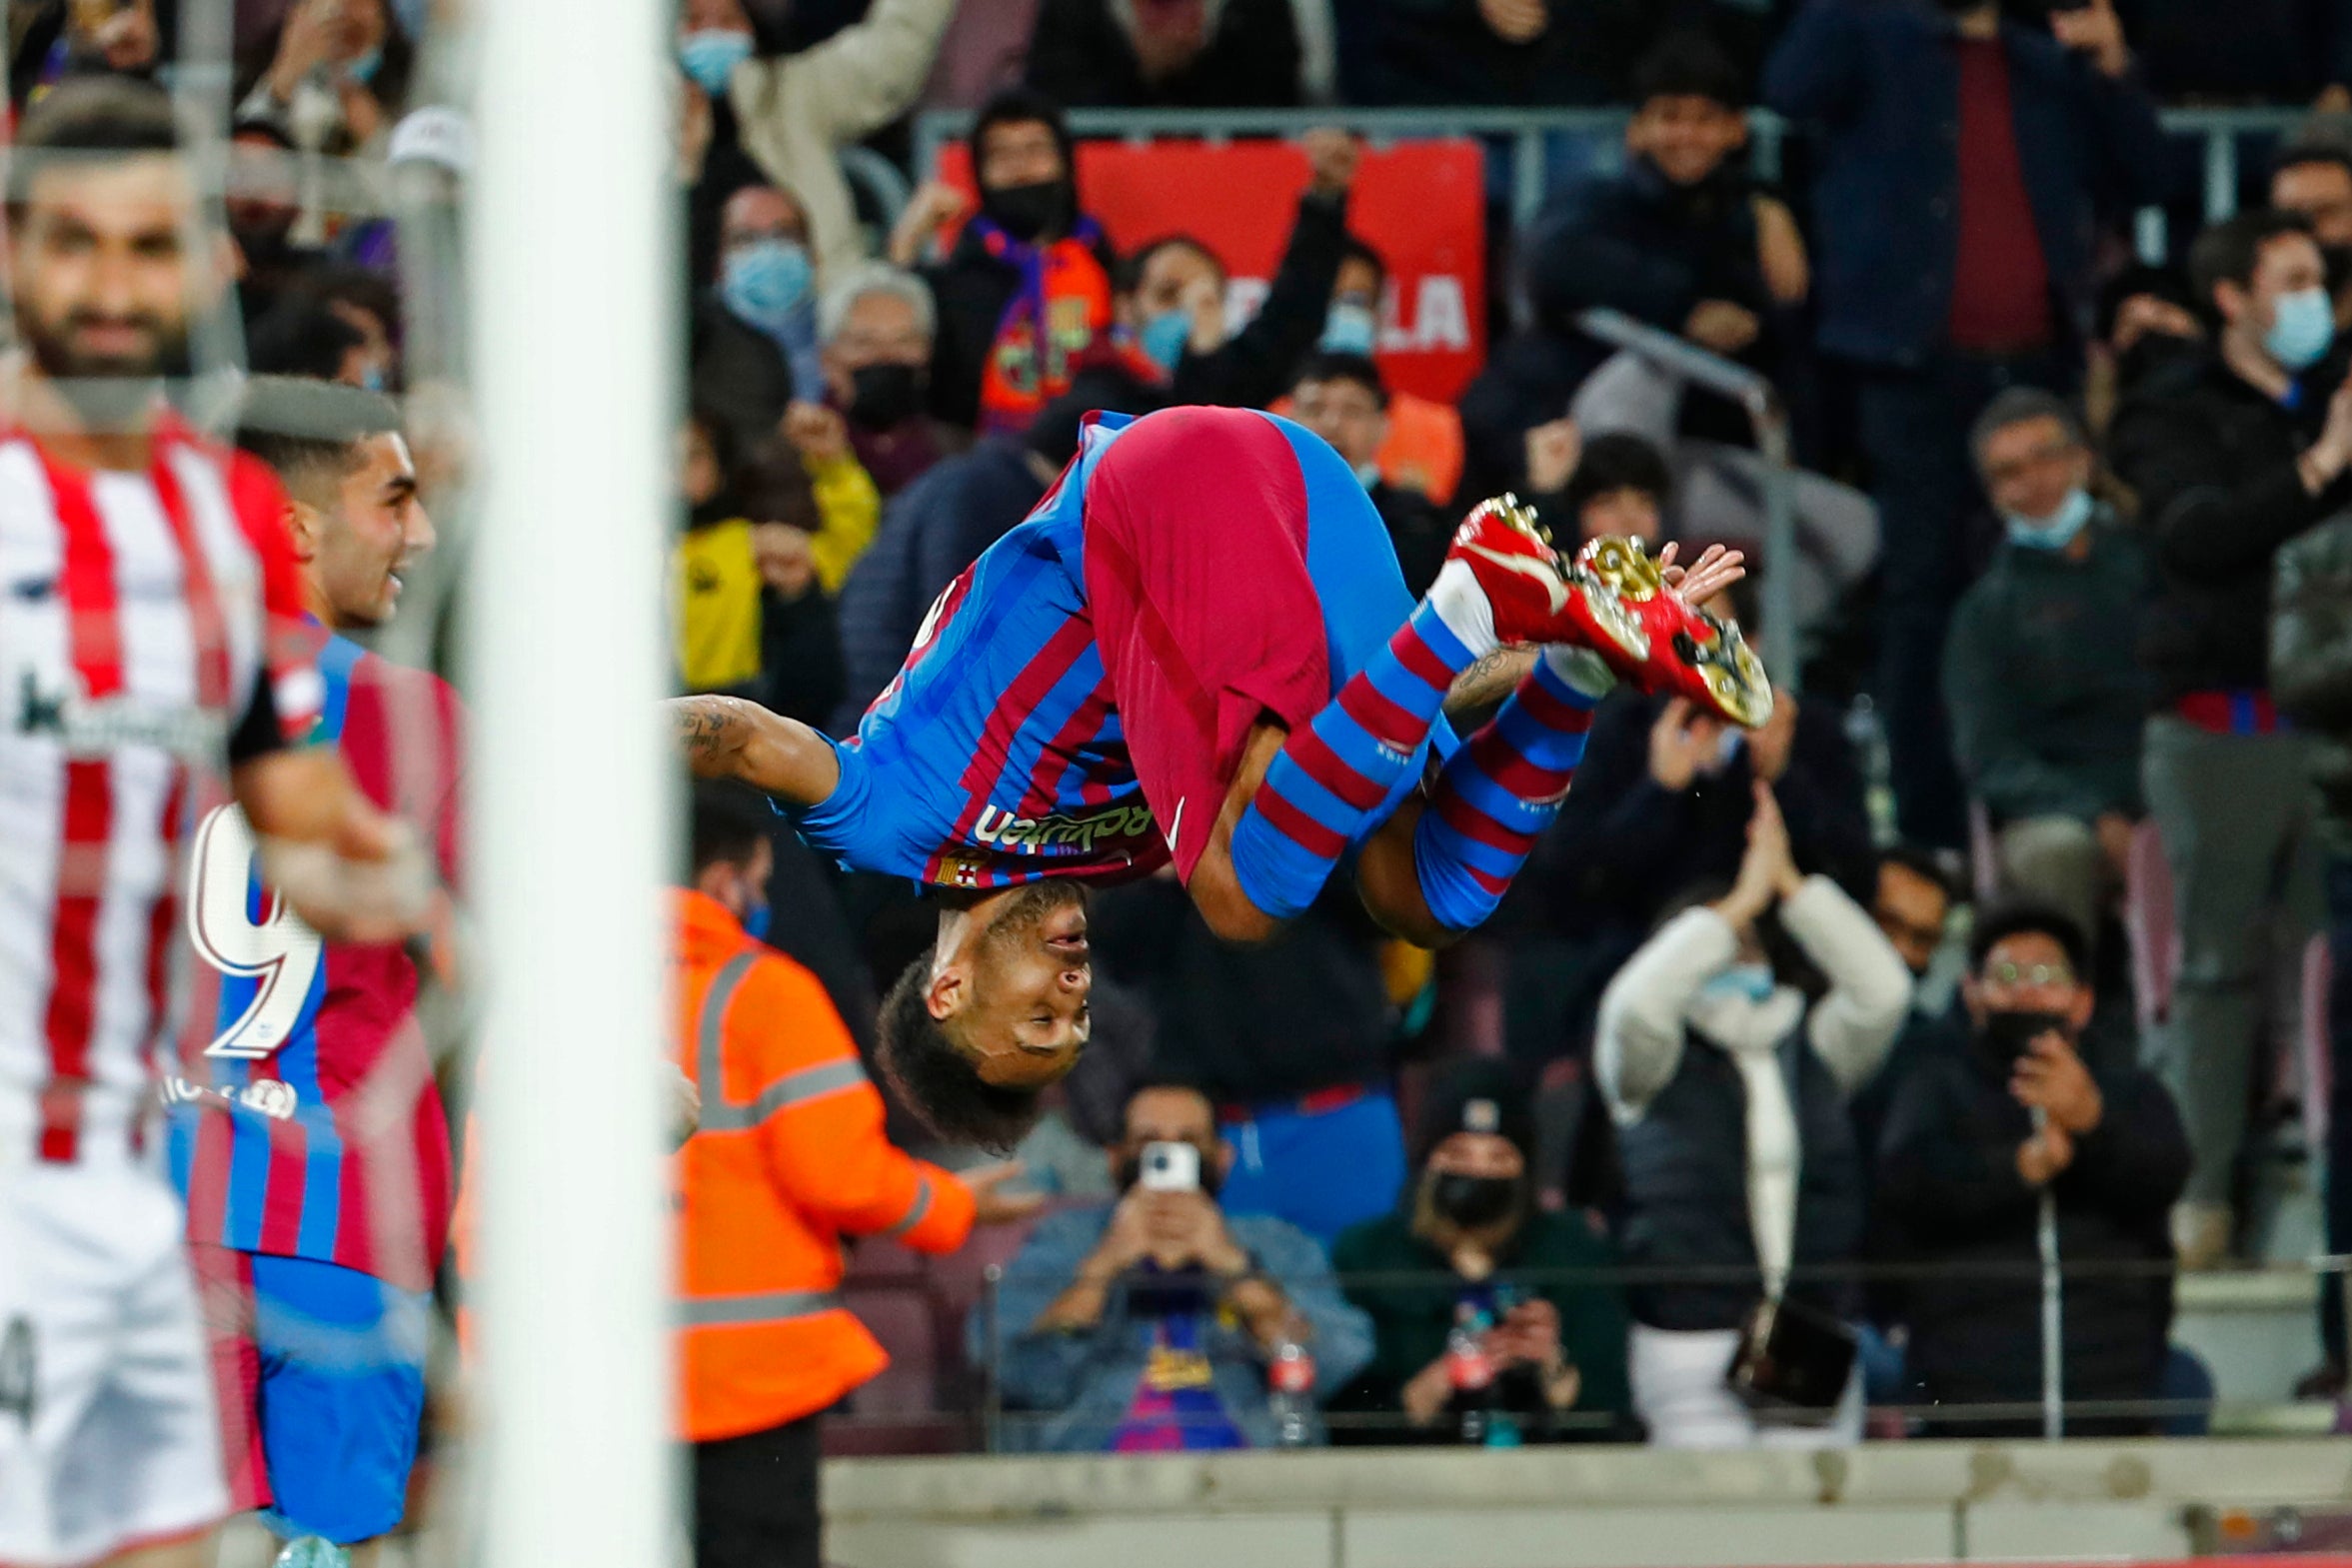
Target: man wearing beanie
{"points": [[1517, 1277]]}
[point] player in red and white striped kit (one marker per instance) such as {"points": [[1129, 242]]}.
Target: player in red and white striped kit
{"points": [[149, 629]]}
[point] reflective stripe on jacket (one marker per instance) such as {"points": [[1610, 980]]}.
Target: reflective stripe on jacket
{"points": [[789, 1157]]}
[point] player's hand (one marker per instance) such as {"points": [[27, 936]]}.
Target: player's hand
{"points": [[991, 1203], [1716, 569], [1332, 155], [374, 885], [1553, 450], [818, 432]]}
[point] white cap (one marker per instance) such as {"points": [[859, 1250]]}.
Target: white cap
{"points": [[435, 135]]}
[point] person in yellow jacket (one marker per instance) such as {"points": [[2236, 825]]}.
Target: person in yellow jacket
{"points": [[789, 1157]]}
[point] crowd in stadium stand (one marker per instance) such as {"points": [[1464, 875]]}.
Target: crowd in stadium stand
{"points": [[1977, 948]]}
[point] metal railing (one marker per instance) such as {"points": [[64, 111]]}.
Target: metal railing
{"points": [[1767, 415], [982, 1417], [1523, 137]]}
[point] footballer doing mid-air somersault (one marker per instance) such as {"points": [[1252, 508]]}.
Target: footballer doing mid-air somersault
{"points": [[1198, 650]]}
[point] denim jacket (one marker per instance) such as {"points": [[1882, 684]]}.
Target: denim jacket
{"points": [[1083, 1383], [1877, 82]]}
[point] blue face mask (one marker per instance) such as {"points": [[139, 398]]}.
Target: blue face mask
{"points": [[1350, 327], [372, 378], [1751, 981], [764, 281], [2054, 531], [711, 55], [756, 922], [1164, 338], [363, 70], [1367, 475], [2302, 329]]}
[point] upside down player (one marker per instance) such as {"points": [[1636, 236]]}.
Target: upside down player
{"points": [[311, 1144], [1198, 650], [149, 588]]}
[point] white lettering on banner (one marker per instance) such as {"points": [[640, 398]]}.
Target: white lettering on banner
{"points": [[1441, 319], [1243, 297]]}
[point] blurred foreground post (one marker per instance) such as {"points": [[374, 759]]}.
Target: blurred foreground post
{"points": [[573, 352]]}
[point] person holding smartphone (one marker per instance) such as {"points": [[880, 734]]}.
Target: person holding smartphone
{"points": [[1976, 1142], [1149, 1324]]}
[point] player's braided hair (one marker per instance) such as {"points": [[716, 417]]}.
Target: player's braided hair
{"points": [[937, 1080]]}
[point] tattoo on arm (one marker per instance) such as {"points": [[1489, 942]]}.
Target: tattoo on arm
{"points": [[707, 731]]}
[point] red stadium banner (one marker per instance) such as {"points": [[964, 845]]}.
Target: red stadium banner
{"points": [[1421, 205]]}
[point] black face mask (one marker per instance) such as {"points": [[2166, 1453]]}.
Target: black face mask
{"points": [[2153, 355], [885, 394], [1027, 211], [1472, 1201], [2005, 1035]]}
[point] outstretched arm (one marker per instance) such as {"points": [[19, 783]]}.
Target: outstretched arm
{"points": [[728, 738]]}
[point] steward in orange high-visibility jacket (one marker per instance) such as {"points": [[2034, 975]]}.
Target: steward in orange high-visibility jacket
{"points": [[790, 1158]]}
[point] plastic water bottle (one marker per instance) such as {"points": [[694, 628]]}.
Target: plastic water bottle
{"points": [[1471, 1374], [1290, 1383]]}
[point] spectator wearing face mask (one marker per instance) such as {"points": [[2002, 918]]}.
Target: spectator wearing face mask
{"points": [[1965, 163], [2314, 179], [875, 328], [263, 204], [1487, 1253], [2016, 1151], [1145, 1325], [754, 339], [1165, 54], [1342, 398], [1176, 307], [2042, 675], [1027, 291], [1665, 799], [2230, 464], [794, 112], [338, 76], [1728, 1086], [1424, 447]]}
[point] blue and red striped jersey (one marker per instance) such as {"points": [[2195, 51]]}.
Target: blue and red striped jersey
{"points": [[307, 1122], [998, 754], [995, 756]]}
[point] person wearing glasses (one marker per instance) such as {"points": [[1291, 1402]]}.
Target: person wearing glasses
{"points": [[2042, 673], [2018, 1144]]}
